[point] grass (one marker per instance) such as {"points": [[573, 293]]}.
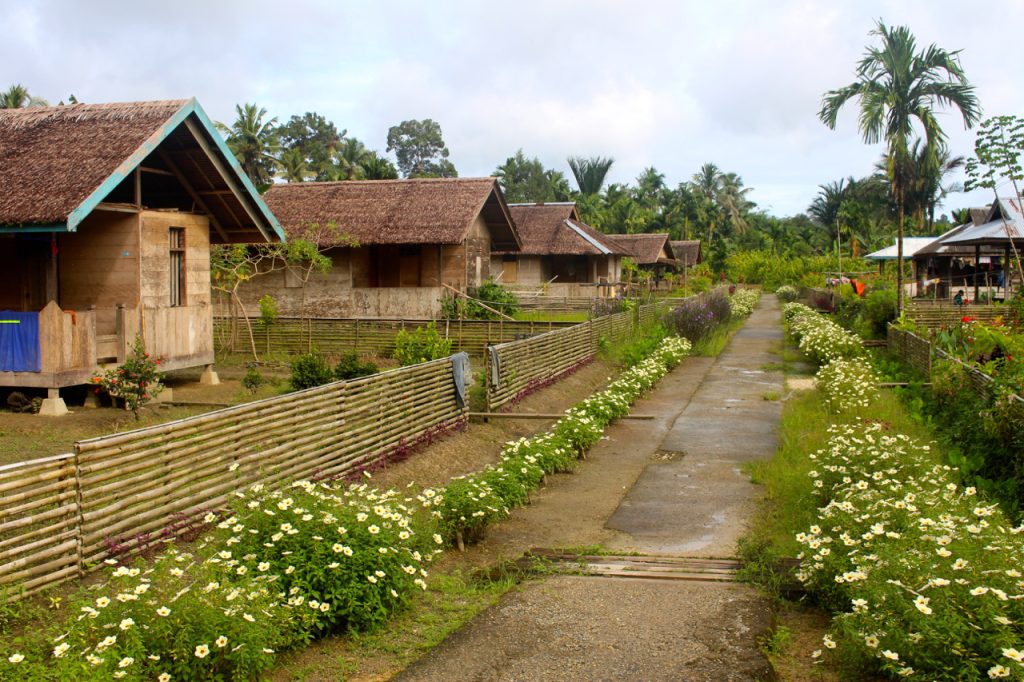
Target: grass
{"points": [[770, 395], [452, 600], [714, 343], [552, 316]]}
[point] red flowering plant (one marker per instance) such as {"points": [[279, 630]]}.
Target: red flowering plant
{"points": [[136, 381]]}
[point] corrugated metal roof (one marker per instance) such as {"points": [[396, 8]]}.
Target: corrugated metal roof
{"points": [[911, 245]]}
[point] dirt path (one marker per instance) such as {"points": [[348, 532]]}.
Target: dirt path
{"points": [[671, 486]]}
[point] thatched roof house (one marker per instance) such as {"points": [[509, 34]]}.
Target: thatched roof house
{"points": [[648, 249], [396, 245], [687, 252], [106, 218], [557, 248]]}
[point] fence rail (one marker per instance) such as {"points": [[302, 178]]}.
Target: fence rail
{"points": [[336, 335], [919, 354], [935, 315], [59, 515]]}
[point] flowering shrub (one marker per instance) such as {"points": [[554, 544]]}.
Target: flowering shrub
{"points": [[742, 302], [348, 553], [926, 576], [819, 338], [697, 317], [847, 385], [421, 345], [787, 293], [136, 381]]}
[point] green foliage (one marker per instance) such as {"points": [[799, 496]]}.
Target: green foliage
{"points": [[309, 370], [350, 366], [526, 180], [136, 381], [491, 293], [253, 139], [420, 150], [268, 311], [787, 293], [590, 173], [773, 271], [252, 379], [422, 344], [868, 316]]}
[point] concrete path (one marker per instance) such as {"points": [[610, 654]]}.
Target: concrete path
{"points": [[685, 496]]}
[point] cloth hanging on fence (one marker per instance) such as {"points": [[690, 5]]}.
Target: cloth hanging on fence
{"points": [[460, 370], [19, 342], [495, 366]]}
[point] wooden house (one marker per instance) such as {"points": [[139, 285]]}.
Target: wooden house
{"points": [[559, 252], [651, 252], [106, 218], [397, 247]]}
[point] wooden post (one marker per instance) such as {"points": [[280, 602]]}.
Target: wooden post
{"points": [[977, 264], [79, 520]]}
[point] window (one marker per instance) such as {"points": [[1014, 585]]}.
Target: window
{"points": [[177, 251]]}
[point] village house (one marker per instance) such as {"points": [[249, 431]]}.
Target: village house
{"points": [[106, 219], [687, 252], [560, 253], [651, 252], [397, 247]]}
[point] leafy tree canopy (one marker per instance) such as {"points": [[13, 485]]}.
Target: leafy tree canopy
{"points": [[420, 149], [526, 180]]}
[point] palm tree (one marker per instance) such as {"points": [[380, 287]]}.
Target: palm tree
{"points": [[732, 198], [17, 97], [707, 181], [590, 173], [294, 167], [898, 86], [376, 167], [350, 158], [253, 141], [825, 207]]}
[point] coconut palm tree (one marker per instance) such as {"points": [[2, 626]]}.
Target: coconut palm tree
{"points": [[253, 140], [294, 166], [18, 97], [376, 167], [898, 88], [732, 198], [350, 158], [590, 173]]}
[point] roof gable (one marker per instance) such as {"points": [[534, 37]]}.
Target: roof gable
{"points": [[412, 211], [57, 164], [555, 229], [647, 249]]}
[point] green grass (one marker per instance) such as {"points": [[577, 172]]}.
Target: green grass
{"points": [[712, 345], [552, 316], [452, 600]]}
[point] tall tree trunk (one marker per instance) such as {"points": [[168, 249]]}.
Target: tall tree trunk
{"points": [[899, 253], [248, 325]]}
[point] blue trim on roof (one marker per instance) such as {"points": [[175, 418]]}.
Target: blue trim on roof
{"points": [[152, 142], [28, 229]]}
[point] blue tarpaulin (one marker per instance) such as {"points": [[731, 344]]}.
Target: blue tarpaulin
{"points": [[19, 342]]}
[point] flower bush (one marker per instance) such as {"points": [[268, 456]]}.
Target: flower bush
{"points": [[848, 385], [742, 302], [136, 381], [925, 575], [422, 344], [818, 337], [697, 317], [787, 293]]}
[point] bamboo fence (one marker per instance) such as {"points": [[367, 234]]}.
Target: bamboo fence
{"points": [[338, 335], [128, 491]]}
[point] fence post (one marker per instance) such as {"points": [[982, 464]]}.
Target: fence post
{"points": [[80, 516]]}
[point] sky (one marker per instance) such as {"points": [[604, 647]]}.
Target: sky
{"points": [[666, 84]]}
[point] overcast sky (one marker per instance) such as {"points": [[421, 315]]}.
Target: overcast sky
{"points": [[668, 84]]}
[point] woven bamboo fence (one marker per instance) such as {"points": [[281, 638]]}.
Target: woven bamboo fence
{"points": [[911, 349], [130, 490], [39, 513], [935, 315], [337, 335], [517, 367], [647, 314]]}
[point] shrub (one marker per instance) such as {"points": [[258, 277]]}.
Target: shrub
{"points": [[268, 311], [136, 381], [697, 317], [350, 366], [493, 294], [421, 345], [819, 338], [252, 379], [924, 574], [743, 301], [309, 370], [848, 385], [787, 293]]}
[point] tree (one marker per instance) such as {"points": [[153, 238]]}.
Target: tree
{"points": [[997, 156], [18, 97], [526, 180], [590, 173], [349, 160], [293, 164], [420, 150], [314, 138], [898, 87], [376, 167], [253, 140]]}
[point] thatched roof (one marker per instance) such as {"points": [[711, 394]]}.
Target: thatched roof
{"points": [[647, 249], [687, 251], [415, 211], [58, 164], [555, 229]]}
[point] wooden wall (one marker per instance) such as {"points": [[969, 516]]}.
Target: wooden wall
{"points": [[156, 261], [99, 266], [478, 253]]}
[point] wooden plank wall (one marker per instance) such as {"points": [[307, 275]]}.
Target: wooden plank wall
{"points": [[60, 515], [332, 336]]}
